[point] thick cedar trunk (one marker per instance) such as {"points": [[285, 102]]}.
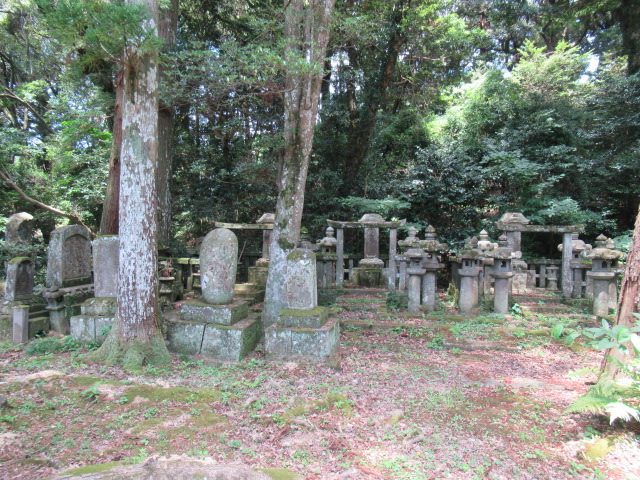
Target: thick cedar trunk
{"points": [[630, 26], [109, 221], [137, 338], [166, 119], [629, 302], [307, 33]]}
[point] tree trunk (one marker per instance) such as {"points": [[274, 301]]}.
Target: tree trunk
{"points": [[628, 302], [630, 27], [136, 338], [307, 33], [166, 119], [109, 221]]}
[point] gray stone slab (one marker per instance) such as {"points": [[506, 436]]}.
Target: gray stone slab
{"points": [[105, 266], [20, 279], [196, 311], [218, 265], [290, 318], [185, 337], [301, 280], [99, 306], [69, 260], [307, 345], [231, 343]]}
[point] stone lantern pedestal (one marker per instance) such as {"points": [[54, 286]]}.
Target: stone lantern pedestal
{"points": [[502, 273], [469, 272], [415, 271]]}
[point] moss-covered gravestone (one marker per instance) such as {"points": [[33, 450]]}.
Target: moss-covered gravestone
{"points": [[304, 332], [216, 326]]}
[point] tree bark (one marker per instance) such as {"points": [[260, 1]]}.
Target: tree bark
{"points": [[109, 223], [628, 302], [166, 120], [137, 339], [630, 27], [307, 33]]}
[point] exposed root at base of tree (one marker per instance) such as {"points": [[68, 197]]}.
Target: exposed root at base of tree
{"points": [[133, 355]]}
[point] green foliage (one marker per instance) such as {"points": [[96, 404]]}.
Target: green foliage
{"points": [[49, 345], [620, 400]]}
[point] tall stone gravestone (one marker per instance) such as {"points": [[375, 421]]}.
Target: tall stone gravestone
{"points": [[68, 277], [216, 326], [69, 261], [19, 229], [98, 313], [304, 332]]}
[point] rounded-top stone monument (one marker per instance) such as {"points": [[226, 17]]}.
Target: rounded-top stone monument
{"points": [[218, 266]]}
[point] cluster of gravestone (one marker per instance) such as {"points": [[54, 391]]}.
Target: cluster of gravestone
{"points": [[223, 320]]}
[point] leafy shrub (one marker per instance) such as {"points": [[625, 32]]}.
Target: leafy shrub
{"points": [[47, 345], [620, 400]]}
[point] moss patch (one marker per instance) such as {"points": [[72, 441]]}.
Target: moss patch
{"points": [[103, 467], [280, 473], [174, 394]]}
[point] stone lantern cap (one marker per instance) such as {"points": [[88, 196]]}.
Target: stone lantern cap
{"points": [[329, 240], [470, 249], [485, 245], [577, 245], [503, 252], [267, 218], [514, 218], [430, 242], [602, 252]]}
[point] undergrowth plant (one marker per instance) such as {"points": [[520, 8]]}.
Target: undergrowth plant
{"points": [[619, 399]]}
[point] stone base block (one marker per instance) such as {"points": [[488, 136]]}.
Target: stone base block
{"points": [[231, 343], [292, 318], [197, 311], [258, 276], [185, 337], [307, 345], [367, 277], [104, 306], [89, 328], [220, 342], [37, 326]]}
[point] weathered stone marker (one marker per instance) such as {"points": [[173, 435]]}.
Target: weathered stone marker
{"points": [[19, 229], [20, 279], [105, 266], [603, 261], [20, 324], [218, 266], [69, 262]]}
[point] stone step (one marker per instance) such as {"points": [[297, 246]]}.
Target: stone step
{"points": [[520, 298]]}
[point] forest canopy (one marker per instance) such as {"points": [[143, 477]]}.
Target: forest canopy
{"points": [[445, 112]]}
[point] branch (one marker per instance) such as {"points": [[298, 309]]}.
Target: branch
{"points": [[74, 218], [30, 107]]}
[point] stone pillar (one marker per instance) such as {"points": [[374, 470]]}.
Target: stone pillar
{"points": [[301, 281], [415, 271], [371, 242], [431, 265], [468, 302], [567, 274], [393, 240], [20, 324], [501, 274], [552, 278], [340, 258], [218, 266], [542, 279], [105, 266]]}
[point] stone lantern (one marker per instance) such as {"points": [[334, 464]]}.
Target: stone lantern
{"points": [[578, 266], [326, 261], [470, 264], [431, 265], [502, 272], [604, 261]]}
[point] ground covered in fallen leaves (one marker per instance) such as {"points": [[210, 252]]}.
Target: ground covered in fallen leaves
{"points": [[401, 406]]}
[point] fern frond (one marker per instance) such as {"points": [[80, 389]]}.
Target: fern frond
{"points": [[621, 411], [592, 402]]}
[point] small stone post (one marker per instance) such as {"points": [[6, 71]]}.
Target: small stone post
{"points": [[552, 278], [487, 248], [393, 248], [567, 255], [501, 274], [339, 257], [579, 248], [20, 324]]}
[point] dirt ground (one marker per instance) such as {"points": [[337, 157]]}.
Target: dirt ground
{"points": [[400, 407]]}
